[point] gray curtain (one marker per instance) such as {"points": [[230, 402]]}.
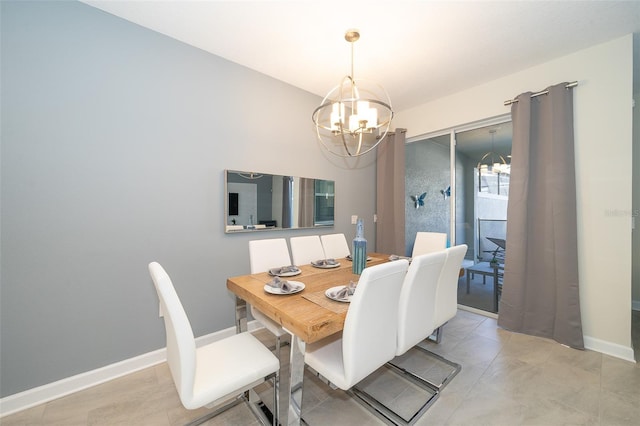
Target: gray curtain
{"points": [[306, 201], [540, 291], [390, 201]]}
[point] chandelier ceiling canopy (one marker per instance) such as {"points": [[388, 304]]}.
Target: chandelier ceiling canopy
{"points": [[355, 116]]}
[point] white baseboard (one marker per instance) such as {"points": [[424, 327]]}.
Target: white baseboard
{"points": [[635, 305], [608, 348], [45, 393], [591, 343]]}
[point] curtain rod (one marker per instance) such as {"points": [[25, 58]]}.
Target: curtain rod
{"points": [[544, 92]]}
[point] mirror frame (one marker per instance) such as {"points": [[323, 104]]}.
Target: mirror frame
{"points": [[273, 190]]}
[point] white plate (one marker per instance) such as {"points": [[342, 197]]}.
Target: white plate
{"points": [[325, 266], [334, 290], [275, 290], [287, 274], [351, 260]]}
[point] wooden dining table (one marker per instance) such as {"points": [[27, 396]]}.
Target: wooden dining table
{"points": [[309, 316]]}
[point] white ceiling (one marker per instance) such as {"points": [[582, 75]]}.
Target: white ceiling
{"points": [[418, 50]]}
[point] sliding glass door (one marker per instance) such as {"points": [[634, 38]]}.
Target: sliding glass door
{"points": [[486, 155], [463, 170]]}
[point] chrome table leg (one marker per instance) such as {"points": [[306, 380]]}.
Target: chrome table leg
{"points": [[290, 392], [241, 315]]}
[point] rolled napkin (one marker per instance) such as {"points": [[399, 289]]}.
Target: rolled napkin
{"points": [[284, 285], [283, 270], [324, 262], [346, 291], [396, 257]]}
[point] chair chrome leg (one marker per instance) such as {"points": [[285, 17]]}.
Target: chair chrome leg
{"points": [[261, 411], [385, 413], [279, 343], [276, 391], [277, 348], [436, 386], [253, 401], [215, 412], [241, 315], [439, 334]]}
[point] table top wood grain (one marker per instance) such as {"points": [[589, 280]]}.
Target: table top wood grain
{"points": [[304, 318]]}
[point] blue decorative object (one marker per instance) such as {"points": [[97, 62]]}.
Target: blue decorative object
{"points": [[419, 200], [359, 249], [446, 193]]}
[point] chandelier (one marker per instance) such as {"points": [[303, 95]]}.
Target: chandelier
{"points": [[353, 118], [492, 163]]}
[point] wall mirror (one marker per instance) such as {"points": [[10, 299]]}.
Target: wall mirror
{"points": [[261, 201]]}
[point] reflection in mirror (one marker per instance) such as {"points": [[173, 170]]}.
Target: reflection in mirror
{"points": [[261, 201]]}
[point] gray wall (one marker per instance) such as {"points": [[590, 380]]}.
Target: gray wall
{"points": [[427, 170], [114, 142]]}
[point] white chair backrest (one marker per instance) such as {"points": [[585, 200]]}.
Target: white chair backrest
{"points": [[335, 246], [267, 254], [371, 325], [181, 345], [447, 291], [418, 300], [306, 249], [429, 242]]}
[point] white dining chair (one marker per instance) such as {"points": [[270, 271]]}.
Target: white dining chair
{"points": [[264, 255], [447, 293], [306, 249], [213, 374], [440, 307], [417, 312], [429, 242], [368, 339], [335, 246], [268, 253], [416, 320]]}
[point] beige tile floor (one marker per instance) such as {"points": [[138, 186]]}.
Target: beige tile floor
{"points": [[506, 379]]}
